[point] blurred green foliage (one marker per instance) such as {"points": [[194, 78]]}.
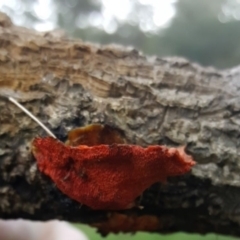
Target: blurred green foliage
{"points": [[204, 31], [195, 32], [93, 235]]}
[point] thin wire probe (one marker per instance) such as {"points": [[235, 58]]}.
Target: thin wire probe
{"points": [[14, 101]]}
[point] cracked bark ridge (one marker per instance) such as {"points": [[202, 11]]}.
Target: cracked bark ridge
{"points": [[68, 83]]}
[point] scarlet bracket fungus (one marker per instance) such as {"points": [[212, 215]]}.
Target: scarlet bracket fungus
{"points": [[96, 168], [119, 222], [107, 176]]}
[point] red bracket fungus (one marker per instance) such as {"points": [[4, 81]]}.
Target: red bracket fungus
{"points": [[102, 172], [119, 222], [96, 166]]}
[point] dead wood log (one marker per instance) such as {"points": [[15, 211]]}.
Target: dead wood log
{"points": [[69, 83]]}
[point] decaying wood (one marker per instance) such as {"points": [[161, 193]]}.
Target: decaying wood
{"points": [[69, 83]]}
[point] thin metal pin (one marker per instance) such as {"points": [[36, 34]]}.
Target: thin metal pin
{"points": [[31, 116]]}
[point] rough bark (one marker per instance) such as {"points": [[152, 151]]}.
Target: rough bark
{"points": [[69, 83]]}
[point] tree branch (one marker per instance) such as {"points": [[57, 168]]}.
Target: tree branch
{"points": [[68, 83]]}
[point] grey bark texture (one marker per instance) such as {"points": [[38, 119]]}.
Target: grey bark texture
{"points": [[68, 83]]}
